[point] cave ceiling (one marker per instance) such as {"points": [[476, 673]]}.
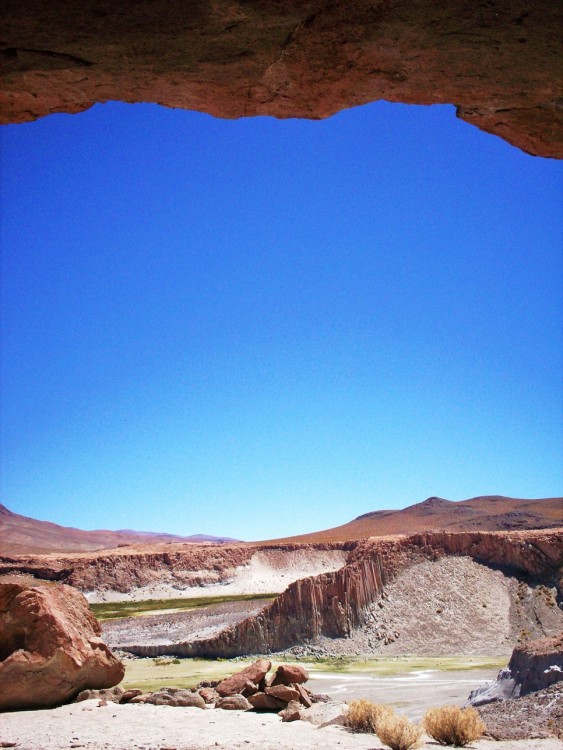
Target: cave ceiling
{"points": [[497, 61]]}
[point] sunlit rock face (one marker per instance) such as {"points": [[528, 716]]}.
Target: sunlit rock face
{"points": [[496, 60], [50, 647]]}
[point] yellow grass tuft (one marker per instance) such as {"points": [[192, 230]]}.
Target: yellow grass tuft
{"points": [[364, 715], [398, 732], [450, 725]]}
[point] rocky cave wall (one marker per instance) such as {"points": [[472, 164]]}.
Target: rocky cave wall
{"points": [[498, 61]]}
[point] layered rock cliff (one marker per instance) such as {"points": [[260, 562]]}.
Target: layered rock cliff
{"points": [[333, 604], [127, 569], [496, 60]]}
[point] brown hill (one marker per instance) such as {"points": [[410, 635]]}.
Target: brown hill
{"points": [[23, 535], [486, 513]]}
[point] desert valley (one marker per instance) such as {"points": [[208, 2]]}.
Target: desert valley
{"points": [[415, 608]]}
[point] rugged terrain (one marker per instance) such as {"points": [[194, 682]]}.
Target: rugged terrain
{"points": [[524, 569], [21, 535]]}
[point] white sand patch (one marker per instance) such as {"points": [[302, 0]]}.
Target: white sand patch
{"points": [[269, 571], [115, 727]]}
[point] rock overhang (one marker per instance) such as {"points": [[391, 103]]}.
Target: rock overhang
{"points": [[498, 61]]}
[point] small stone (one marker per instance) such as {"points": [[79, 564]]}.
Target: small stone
{"points": [[304, 696], [128, 695], [291, 713], [209, 694], [263, 702], [234, 703]]}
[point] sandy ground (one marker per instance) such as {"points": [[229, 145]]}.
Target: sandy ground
{"points": [[114, 727], [269, 571]]}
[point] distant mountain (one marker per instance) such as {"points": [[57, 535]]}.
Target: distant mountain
{"points": [[485, 513], [21, 535]]}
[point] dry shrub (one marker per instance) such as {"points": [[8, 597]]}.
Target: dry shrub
{"points": [[398, 733], [364, 715], [450, 725]]}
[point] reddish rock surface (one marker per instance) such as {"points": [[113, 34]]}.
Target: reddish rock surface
{"points": [[498, 61], [292, 712], [175, 697], [264, 702], [235, 684], [209, 695], [290, 674], [50, 649], [283, 692]]}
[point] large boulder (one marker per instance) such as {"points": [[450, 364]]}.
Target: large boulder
{"points": [[50, 647], [236, 683]]}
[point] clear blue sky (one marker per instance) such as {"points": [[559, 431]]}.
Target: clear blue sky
{"points": [[259, 328]]}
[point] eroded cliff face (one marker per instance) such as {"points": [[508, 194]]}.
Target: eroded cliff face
{"points": [[333, 604], [128, 569], [538, 664], [124, 571], [496, 60]]}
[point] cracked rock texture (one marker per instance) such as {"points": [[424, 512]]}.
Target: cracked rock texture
{"points": [[498, 61]]}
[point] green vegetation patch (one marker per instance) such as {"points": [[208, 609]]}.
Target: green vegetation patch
{"points": [[152, 674], [388, 666], [115, 610]]}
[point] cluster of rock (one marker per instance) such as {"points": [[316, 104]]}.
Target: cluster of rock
{"points": [[255, 688], [50, 647]]}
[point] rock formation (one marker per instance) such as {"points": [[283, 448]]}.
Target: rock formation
{"points": [[333, 604], [533, 666], [50, 649], [496, 60]]}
